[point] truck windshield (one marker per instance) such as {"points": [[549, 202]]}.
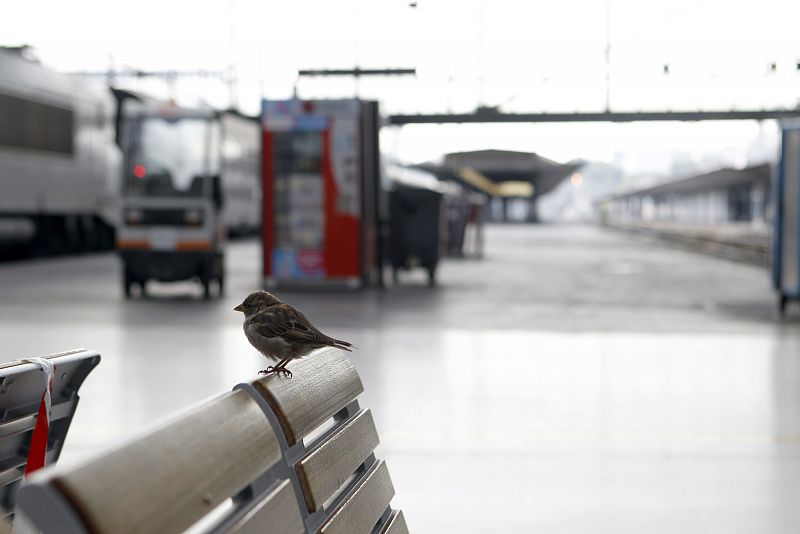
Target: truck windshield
{"points": [[171, 157]]}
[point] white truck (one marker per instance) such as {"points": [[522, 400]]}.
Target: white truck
{"points": [[172, 225]]}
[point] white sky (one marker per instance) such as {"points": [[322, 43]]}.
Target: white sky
{"points": [[519, 55]]}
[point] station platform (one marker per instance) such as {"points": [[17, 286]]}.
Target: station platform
{"points": [[577, 379], [734, 241]]}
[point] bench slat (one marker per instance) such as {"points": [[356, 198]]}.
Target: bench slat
{"points": [[323, 384], [7, 476], [326, 468], [276, 514], [396, 524], [167, 479], [26, 423], [360, 513]]}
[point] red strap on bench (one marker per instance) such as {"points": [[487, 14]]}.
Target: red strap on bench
{"points": [[37, 455]]}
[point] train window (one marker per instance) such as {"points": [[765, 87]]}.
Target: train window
{"points": [[35, 125]]}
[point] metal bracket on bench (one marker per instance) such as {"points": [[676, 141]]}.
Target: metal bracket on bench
{"points": [[290, 455], [52, 511]]}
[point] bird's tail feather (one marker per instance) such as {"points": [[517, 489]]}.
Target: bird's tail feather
{"points": [[344, 345]]}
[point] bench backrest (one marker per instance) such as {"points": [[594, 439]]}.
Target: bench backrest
{"points": [[274, 455], [21, 388]]}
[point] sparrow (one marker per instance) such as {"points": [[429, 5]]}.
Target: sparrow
{"points": [[280, 332]]}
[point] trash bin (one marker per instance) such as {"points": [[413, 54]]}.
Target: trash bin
{"points": [[415, 233]]}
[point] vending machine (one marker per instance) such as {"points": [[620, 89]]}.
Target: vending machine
{"points": [[320, 173], [786, 247]]}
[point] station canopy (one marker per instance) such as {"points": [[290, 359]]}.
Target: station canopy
{"points": [[710, 181], [503, 173]]}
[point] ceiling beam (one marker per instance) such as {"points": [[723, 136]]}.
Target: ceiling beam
{"points": [[492, 116], [356, 72]]}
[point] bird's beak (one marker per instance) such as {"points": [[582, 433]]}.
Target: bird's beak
{"points": [[239, 308]]}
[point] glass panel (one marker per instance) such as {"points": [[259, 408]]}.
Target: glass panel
{"points": [[298, 190], [791, 183], [169, 158]]}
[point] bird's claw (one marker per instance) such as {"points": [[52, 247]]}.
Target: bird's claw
{"points": [[280, 371]]}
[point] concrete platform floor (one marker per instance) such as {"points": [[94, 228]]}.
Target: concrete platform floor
{"points": [[575, 380]]}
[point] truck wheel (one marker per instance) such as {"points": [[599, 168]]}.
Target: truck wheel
{"points": [[431, 277], [221, 285], [127, 282], [219, 275], [206, 288], [782, 301]]}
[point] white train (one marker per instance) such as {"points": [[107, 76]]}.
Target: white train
{"points": [[62, 170], [59, 165]]}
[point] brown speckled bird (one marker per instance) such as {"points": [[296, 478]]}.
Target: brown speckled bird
{"points": [[280, 332]]}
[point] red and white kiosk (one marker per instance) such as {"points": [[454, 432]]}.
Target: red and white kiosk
{"points": [[320, 172]]}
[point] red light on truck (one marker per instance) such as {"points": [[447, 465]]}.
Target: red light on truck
{"points": [[139, 171]]}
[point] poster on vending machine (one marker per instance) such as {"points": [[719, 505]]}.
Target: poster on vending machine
{"points": [[312, 188]]}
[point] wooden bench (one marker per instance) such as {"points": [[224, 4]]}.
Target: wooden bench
{"points": [[21, 388], [272, 456]]}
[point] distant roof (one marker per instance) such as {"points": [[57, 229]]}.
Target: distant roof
{"points": [[507, 165], [719, 179]]}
